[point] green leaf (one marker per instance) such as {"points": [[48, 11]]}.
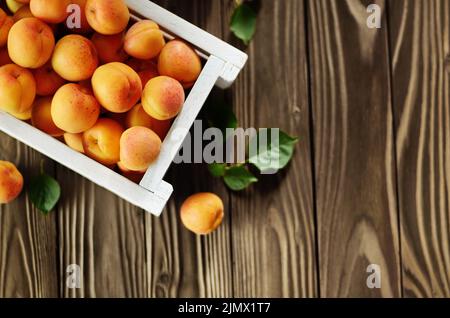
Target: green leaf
{"points": [[217, 169], [243, 23], [238, 178], [270, 157], [219, 115], [44, 192]]}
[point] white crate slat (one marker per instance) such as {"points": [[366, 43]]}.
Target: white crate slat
{"points": [[234, 59], [223, 64]]}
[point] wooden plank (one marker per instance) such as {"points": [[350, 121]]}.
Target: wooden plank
{"points": [[354, 151], [420, 48], [28, 250], [102, 234], [273, 227], [179, 263]]}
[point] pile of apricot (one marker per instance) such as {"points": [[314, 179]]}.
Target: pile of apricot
{"points": [[109, 88]]}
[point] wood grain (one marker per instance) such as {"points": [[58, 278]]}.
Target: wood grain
{"points": [[28, 245], [273, 227], [420, 41], [179, 263], [354, 150]]}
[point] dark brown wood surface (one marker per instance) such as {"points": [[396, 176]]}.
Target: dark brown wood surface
{"points": [[368, 183]]}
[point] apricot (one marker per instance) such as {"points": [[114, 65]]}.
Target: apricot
{"points": [[22, 13], [179, 61], [6, 24], [74, 109], [144, 40], [163, 97], [110, 47], [102, 142], [75, 58], [117, 87], [47, 80], [11, 182], [138, 117], [146, 69], [135, 176], [51, 11], [139, 148], [4, 57], [23, 116], [30, 43], [41, 117], [84, 26], [202, 213], [74, 141], [17, 89], [107, 16], [14, 5]]}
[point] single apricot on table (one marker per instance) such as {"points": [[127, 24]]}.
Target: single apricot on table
{"points": [[11, 182], [102, 142], [163, 97], [202, 213]]}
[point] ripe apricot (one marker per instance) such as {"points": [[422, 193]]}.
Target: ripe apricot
{"points": [[144, 40], [163, 97], [146, 69], [117, 87], [74, 109], [41, 117], [22, 13], [47, 80], [30, 43], [202, 213], [75, 58], [138, 117], [135, 176], [51, 11], [110, 47], [139, 148], [107, 16], [11, 182], [74, 141], [6, 24], [17, 89], [102, 142], [179, 61]]}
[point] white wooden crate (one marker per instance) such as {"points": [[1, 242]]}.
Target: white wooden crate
{"points": [[223, 64]]}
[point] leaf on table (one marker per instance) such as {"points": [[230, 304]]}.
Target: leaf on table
{"points": [[243, 23], [270, 155], [217, 169], [238, 178], [44, 192]]}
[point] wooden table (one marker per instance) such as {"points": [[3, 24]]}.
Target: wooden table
{"points": [[369, 184]]}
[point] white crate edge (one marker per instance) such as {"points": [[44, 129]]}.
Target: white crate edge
{"points": [[222, 67]]}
